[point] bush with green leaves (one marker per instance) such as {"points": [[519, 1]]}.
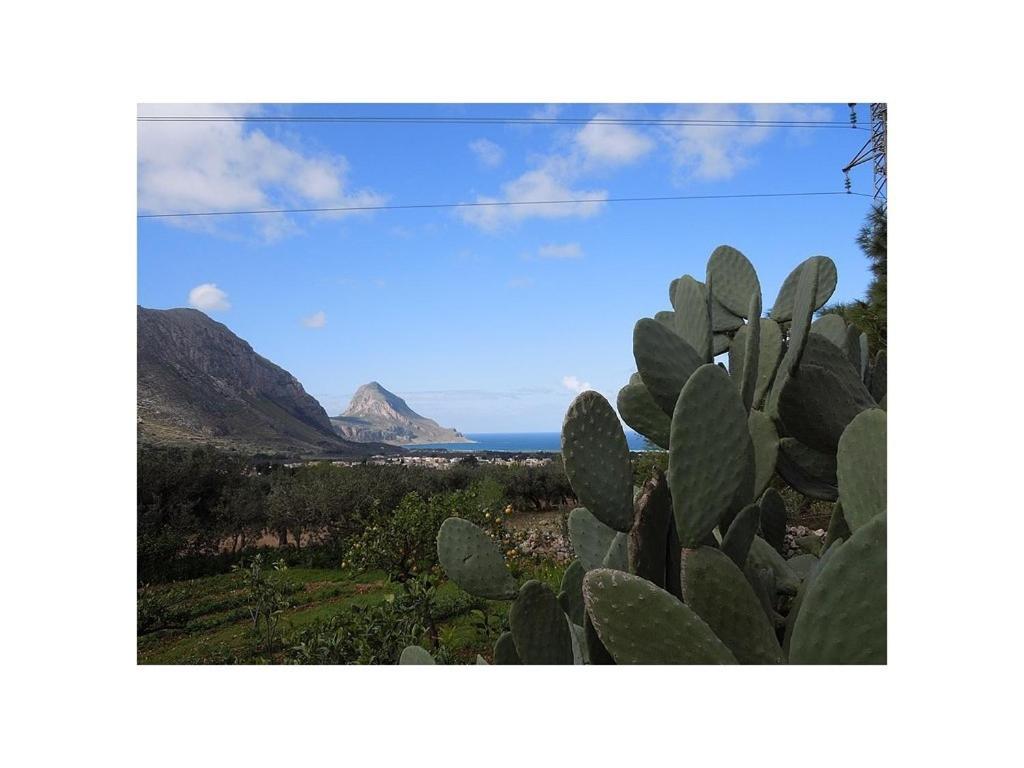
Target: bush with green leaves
{"points": [[266, 600], [685, 569]]}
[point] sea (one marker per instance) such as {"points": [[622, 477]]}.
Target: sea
{"points": [[518, 442]]}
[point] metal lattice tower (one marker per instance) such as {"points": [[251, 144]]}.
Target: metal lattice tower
{"points": [[873, 151]]}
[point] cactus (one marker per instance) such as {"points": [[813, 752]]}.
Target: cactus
{"points": [[676, 571]]}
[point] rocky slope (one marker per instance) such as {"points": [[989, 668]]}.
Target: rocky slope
{"points": [[199, 383], [378, 415]]}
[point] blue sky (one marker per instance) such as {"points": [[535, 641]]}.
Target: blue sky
{"points": [[486, 319]]}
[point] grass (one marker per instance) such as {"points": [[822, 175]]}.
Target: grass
{"points": [[206, 620]]}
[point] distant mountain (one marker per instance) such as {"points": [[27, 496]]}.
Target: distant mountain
{"points": [[199, 383], [378, 415]]}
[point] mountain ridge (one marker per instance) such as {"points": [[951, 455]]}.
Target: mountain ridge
{"points": [[376, 414]]}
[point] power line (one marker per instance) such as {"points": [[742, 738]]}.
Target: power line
{"points": [[485, 120], [409, 206]]}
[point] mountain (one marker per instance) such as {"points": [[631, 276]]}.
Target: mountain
{"points": [[199, 383], [376, 414]]}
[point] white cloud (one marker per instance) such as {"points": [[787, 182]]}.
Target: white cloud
{"points": [[574, 385], [208, 298], [715, 153], [316, 320], [222, 166], [563, 251], [487, 152], [612, 143]]}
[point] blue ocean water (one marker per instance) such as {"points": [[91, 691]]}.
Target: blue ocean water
{"points": [[519, 442]]}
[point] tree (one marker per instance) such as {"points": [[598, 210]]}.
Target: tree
{"points": [[869, 314]]}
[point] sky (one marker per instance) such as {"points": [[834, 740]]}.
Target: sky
{"points": [[486, 319]]}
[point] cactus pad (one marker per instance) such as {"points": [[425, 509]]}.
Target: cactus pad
{"points": [[539, 627], [843, 617], [640, 623], [831, 327], [766, 449], [617, 556], [803, 311], [763, 555], [722, 320], [720, 344], [773, 519], [862, 468], [471, 559], [837, 526], [649, 536], [693, 319], [591, 539], [877, 382], [505, 650], [639, 410], [664, 361], [811, 472], [817, 405], [733, 279], [717, 591], [782, 311], [570, 593], [711, 454], [737, 540], [596, 460], [751, 351], [414, 654]]}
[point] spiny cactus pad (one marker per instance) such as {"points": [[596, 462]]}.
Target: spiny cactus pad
{"points": [[640, 623], [862, 468], [539, 626], [667, 318], [811, 472], [773, 519], [711, 454], [590, 538], [716, 589], [837, 526], [831, 327], [877, 381], [766, 449], [471, 559], [693, 318], [639, 410], [722, 320], [596, 460], [664, 361], [803, 311], [505, 650], [816, 406], [737, 540], [805, 586], [720, 344], [782, 311], [751, 351], [570, 593], [843, 617], [617, 556], [414, 654], [763, 555], [733, 279]]}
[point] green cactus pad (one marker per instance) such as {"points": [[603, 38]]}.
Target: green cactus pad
{"points": [[821, 352], [763, 555], [805, 586], [414, 654], [649, 536], [617, 556], [803, 312], [801, 564], [596, 652], [711, 455], [570, 594], [664, 361], [782, 311], [539, 627], [737, 353], [751, 351], [837, 526], [773, 519], [722, 320], [843, 617], [831, 327], [591, 539], [505, 650], [768, 358], [471, 559], [811, 544], [672, 291], [766, 449], [883, 403], [717, 591], [862, 468], [811, 472], [864, 357], [667, 318], [737, 540], [877, 382], [639, 410], [816, 406], [640, 623], [579, 644], [693, 319], [596, 460], [720, 344], [733, 279]]}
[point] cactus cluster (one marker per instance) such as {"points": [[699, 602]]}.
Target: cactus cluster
{"points": [[687, 569]]}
